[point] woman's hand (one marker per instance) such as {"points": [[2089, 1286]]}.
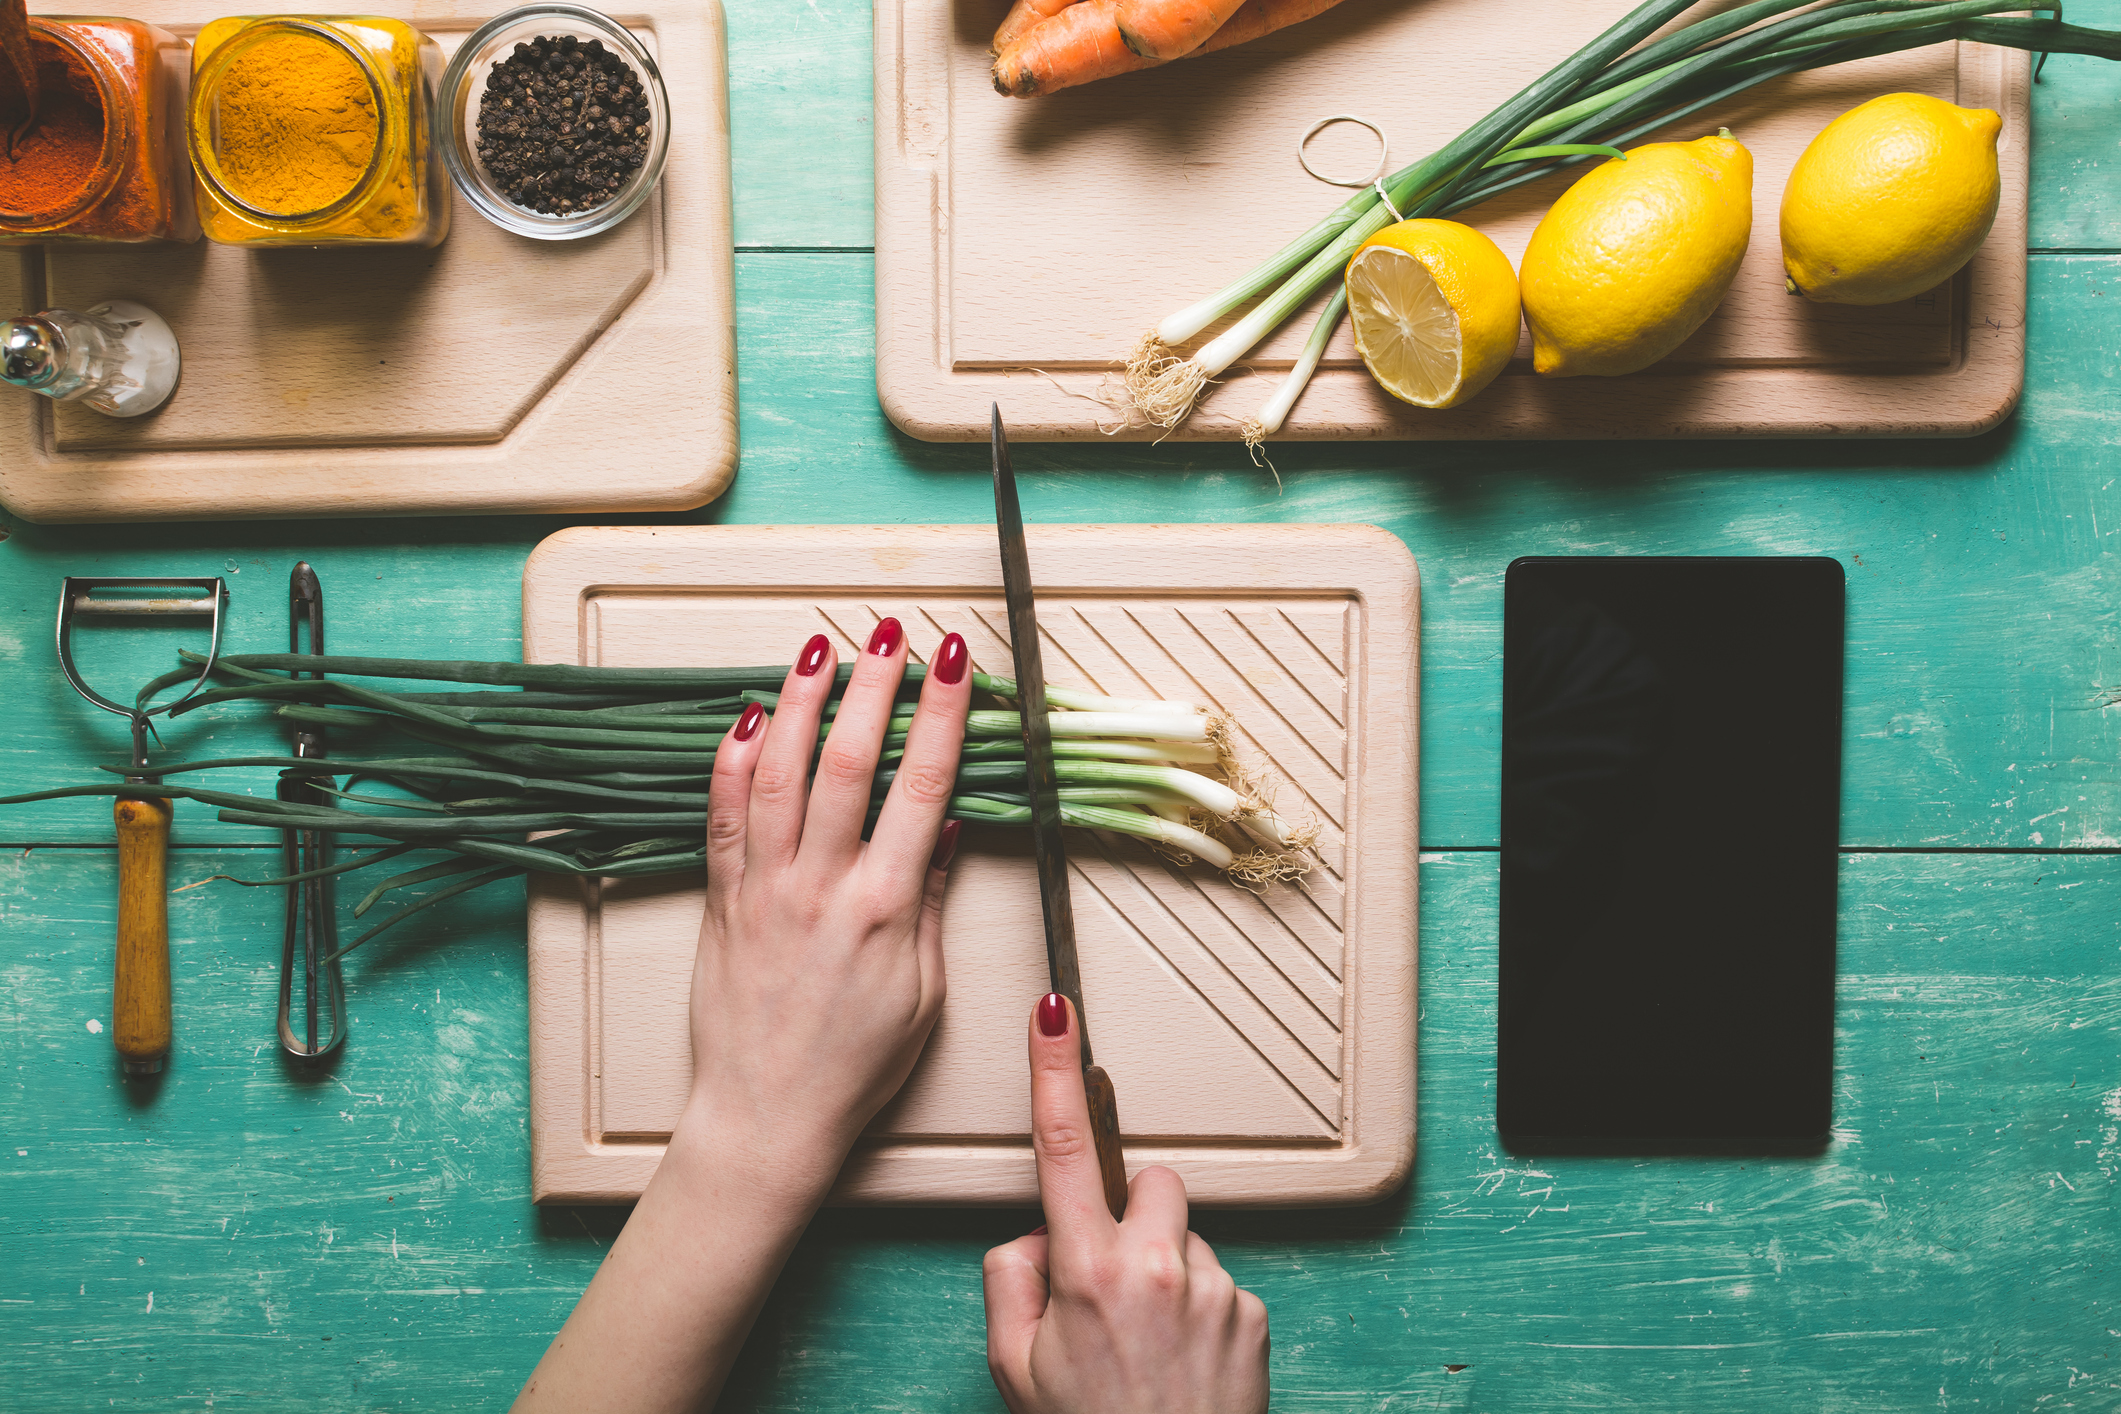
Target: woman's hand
{"points": [[820, 969], [819, 974], [1092, 1316]]}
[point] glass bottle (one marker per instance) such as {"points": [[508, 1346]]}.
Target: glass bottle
{"points": [[105, 160], [120, 358], [316, 130]]}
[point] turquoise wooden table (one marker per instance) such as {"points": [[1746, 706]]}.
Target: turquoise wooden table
{"points": [[248, 1237]]}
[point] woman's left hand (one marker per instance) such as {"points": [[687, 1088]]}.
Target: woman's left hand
{"points": [[818, 978], [820, 968]]}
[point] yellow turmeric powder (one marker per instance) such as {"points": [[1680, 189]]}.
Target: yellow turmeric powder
{"points": [[315, 130], [297, 123]]}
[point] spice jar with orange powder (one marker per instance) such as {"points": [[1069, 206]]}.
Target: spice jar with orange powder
{"points": [[103, 159], [316, 130]]}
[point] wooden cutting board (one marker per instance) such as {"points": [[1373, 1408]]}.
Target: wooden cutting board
{"points": [[1263, 1046], [1024, 245], [490, 374]]}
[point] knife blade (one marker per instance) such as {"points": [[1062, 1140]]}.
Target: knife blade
{"points": [[1063, 971]]}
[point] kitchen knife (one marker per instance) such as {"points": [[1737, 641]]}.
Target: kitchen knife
{"points": [[1066, 977]]}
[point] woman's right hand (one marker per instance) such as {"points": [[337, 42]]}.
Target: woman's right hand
{"points": [[1092, 1316]]}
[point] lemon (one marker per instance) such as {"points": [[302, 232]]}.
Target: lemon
{"points": [[1434, 306], [1635, 256], [1890, 200]]}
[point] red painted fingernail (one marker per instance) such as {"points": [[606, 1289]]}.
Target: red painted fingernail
{"points": [[951, 660], [1039, 1231], [747, 726], [946, 846], [813, 656], [885, 641], [1053, 1014]]}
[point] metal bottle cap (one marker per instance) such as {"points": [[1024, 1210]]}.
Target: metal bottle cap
{"points": [[30, 352]]}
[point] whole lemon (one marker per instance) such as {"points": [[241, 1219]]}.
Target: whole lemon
{"points": [[1636, 255], [1434, 305], [1890, 200]]}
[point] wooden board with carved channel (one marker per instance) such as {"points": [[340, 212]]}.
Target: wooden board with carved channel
{"points": [[491, 374], [1262, 1045], [1024, 245]]}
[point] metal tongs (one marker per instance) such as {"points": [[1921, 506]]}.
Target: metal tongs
{"points": [[308, 960]]}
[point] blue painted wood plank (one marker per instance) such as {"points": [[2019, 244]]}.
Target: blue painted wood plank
{"points": [[1984, 692], [2077, 144], [365, 1238], [799, 122]]}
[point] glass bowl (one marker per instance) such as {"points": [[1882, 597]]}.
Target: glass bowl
{"points": [[464, 83]]}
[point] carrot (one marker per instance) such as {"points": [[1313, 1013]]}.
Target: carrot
{"points": [[1168, 29], [1077, 45], [1023, 17], [1262, 17], [1082, 42]]}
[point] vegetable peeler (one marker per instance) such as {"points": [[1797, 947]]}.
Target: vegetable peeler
{"points": [[140, 1021], [310, 980]]}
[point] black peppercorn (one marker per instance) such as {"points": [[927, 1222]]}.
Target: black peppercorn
{"points": [[536, 99]]}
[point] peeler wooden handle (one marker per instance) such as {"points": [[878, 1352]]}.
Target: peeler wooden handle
{"points": [[140, 1025], [1104, 1131]]}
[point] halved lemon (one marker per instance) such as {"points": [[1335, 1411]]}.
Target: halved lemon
{"points": [[1435, 310]]}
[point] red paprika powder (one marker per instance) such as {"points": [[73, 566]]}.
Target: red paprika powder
{"points": [[98, 162]]}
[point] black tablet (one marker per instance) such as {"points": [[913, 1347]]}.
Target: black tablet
{"points": [[1671, 769]]}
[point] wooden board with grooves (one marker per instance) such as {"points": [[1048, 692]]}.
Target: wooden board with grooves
{"points": [[490, 374], [1262, 1045], [1023, 246]]}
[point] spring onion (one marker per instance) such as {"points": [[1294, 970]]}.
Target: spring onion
{"points": [[605, 771]]}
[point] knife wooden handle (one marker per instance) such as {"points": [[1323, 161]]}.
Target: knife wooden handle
{"points": [[1104, 1131], [140, 1025]]}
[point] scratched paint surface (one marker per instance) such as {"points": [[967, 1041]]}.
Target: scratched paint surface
{"points": [[243, 1238], [1984, 581], [367, 1237]]}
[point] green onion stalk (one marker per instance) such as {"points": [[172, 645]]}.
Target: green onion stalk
{"points": [[1621, 86], [605, 771]]}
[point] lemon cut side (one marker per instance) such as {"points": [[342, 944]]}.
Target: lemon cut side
{"points": [[1435, 311]]}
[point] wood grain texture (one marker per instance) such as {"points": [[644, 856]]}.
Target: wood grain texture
{"points": [[1955, 1238], [1985, 622], [1189, 171], [140, 1013], [1263, 1043], [479, 377], [1958, 1233]]}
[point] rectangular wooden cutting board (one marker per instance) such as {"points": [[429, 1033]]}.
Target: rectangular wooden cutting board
{"points": [[1261, 1045], [1024, 245], [491, 374]]}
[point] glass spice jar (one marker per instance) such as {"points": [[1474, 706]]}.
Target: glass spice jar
{"points": [[316, 130], [105, 159]]}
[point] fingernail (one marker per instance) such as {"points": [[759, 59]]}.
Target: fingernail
{"points": [[813, 656], [747, 726], [946, 846], [1053, 1015], [1039, 1231], [950, 660], [884, 642]]}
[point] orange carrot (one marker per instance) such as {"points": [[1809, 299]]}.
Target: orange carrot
{"points": [[1168, 29], [1024, 16], [1077, 45], [1262, 17], [1082, 42]]}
